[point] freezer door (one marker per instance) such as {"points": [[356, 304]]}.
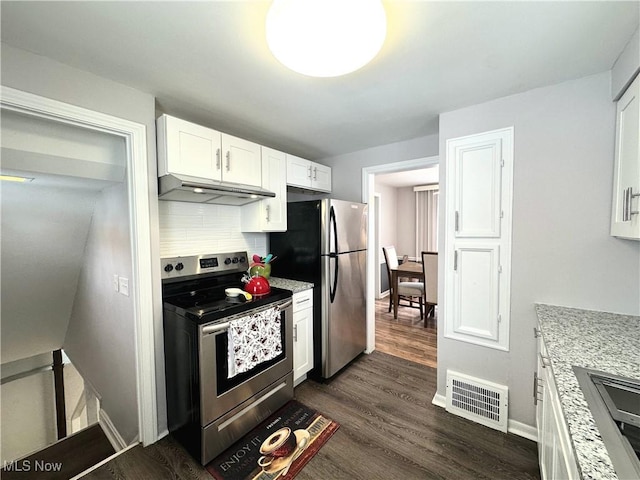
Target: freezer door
{"points": [[344, 226], [343, 322]]}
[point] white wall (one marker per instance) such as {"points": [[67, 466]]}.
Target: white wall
{"points": [[562, 252], [100, 339], [347, 168], [44, 231], [32, 73]]}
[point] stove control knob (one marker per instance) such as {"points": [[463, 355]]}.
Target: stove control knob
{"points": [[243, 260], [179, 266], [168, 268], [227, 261], [235, 260]]}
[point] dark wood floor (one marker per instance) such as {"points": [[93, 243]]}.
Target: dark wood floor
{"points": [[406, 336], [389, 429], [64, 459]]}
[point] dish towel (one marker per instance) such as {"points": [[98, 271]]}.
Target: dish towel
{"points": [[252, 340]]}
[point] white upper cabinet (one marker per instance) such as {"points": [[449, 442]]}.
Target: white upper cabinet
{"points": [[479, 177], [308, 175], [269, 215], [625, 219], [242, 161], [189, 149]]}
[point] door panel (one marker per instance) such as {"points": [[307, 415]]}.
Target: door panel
{"points": [[344, 318], [476, 291], [478, 198], [351, 226]]}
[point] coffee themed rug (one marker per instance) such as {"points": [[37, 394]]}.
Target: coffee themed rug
{"points": [[278, 448]]}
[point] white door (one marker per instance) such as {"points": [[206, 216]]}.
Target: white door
{"points": [[321, 177], [298, 171], [479, 176], [626, 188], [242, 161], [274, 178], [188, 149]]}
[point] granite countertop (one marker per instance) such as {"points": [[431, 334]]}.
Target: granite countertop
{"points": [[294, 285], [591, 339]]}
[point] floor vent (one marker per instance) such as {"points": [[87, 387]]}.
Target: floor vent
{"points": [[477, 400]]}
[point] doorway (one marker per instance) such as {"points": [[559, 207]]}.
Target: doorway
{"points": [[136, 204], [407, 336]]}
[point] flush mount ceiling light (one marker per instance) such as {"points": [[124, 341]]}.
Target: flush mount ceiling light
{"points": [[326, 38]]}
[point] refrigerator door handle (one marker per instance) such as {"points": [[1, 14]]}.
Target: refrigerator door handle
{"points": [[333, 255], [333, 288]]}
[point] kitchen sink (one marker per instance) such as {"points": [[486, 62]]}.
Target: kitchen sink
{"points": [[615, 404]]}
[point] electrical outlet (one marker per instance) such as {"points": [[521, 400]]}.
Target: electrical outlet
{"points": [[115, 282], [123, 283]]}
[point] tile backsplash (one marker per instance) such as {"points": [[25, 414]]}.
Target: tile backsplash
{"points": [[197, 228]]}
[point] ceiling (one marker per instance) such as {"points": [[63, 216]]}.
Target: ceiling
{"points": [[411, 178], [208, 62]]}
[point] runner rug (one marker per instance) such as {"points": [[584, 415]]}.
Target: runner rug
{"points": [[278, 448]]}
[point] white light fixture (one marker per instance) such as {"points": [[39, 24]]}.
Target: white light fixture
{"points": [[14, 178], [326, 38]]}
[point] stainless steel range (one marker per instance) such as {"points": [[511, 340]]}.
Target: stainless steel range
{"points": [[214, 398]]}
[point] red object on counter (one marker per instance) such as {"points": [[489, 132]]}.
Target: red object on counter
{"points": [[258, 286]]}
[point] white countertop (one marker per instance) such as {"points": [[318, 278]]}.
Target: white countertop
{"points": [[598, 340]]}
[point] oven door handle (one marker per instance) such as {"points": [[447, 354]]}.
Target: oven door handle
{"points": [[285, 305], [218, 327]]}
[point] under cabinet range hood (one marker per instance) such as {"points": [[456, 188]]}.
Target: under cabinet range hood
{"points": [[182, 188]]}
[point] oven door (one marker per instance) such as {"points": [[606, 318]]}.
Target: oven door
{"points": [[220, 394]]}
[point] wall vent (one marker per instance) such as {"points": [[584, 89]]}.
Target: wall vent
{"points": [[477, 400]]}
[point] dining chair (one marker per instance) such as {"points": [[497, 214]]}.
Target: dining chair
{"points": [[407, 291], [430, 270]]}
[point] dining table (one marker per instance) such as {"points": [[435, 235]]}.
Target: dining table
{"points": [[404, 270]]}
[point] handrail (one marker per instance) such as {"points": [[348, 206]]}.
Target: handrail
{"points": [[28, 373]]}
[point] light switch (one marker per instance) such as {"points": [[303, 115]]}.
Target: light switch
{"points": [[123, 284], [115, 282]]}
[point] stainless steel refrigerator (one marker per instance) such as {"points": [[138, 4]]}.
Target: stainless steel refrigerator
{"points": [[326, 244]]}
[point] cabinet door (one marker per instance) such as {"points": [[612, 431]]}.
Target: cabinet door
{"points": [[274, 178], [477, 286], [242, 161], [188, 149], [302, 346], [626, 176], [298, 171], [479, 177], [320, 177]]}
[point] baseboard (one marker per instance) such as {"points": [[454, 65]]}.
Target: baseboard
{"points": [[517, 428], [439, 400], [523, 430], [116, 440]]}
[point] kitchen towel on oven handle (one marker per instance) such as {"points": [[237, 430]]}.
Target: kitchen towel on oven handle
{"points": [[253, 339]]}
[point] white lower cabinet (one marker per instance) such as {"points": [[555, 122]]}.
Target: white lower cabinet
{"points": [[302, 335], [555, 453]]}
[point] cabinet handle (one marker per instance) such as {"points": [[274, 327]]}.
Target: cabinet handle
{"points": [[268, 212], [631, 197], [545, 361], [309, 175], [315, 173], [457, 221], [295, 333], [218, 153], [304, 300], [624, 205], [455, 260], [537, 385], [228, 160]]}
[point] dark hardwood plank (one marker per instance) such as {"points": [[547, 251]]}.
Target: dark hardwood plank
{"points": [[406, 337], [73, 454], [389, 429]]}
